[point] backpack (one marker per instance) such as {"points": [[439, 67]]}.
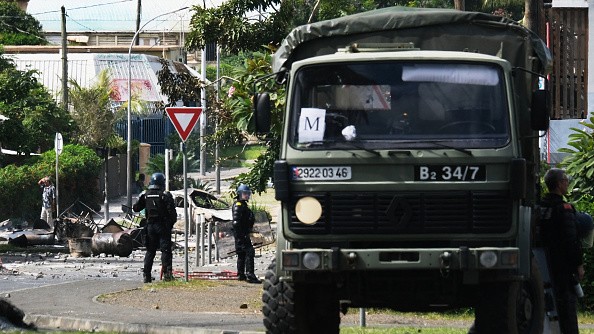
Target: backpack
{"points": [[155, 206]]}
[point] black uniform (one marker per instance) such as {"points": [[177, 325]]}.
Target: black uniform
{"points": [[564, 253], [243, 222], [160, 215]]}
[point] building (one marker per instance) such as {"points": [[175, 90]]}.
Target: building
{"points": [[103, 25]]}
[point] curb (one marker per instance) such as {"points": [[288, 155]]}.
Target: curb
{"points": [[74, 324]]}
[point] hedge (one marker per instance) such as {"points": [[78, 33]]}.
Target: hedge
{"points": [[79, 168]]}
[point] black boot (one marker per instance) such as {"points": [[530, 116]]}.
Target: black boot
{"points": [[249, 267], [147, 278], [251, 278], [241, 266], [168, 274]]}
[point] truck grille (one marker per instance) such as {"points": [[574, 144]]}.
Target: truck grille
{"points": [[408, 213]]}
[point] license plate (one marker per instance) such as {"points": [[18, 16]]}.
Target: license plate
{"points": [[321, 173], [450, 173]]}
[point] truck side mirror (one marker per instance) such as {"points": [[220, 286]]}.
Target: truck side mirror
{"points": [[540, 110], [262, 113]]}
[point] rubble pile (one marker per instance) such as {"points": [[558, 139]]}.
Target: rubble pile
{"points": [[77, 232]]}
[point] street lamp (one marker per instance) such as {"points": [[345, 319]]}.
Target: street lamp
{"points": [[129, 148]]}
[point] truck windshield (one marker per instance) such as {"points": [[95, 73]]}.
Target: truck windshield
{"points": [[399, 105]]}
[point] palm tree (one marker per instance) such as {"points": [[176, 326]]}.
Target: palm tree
{"points": [[95, 116]]}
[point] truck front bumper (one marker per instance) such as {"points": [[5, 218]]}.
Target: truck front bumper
{"points": [[463, 258]]}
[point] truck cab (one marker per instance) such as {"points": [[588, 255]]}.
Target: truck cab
{"points": [[407, 178]]}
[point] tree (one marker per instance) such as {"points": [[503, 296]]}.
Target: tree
{"points": [[95, 117], [19, 28], [93, 113], [34, 116], [234, 26], [580, 160]]}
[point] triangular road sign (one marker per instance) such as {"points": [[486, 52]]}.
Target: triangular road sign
{"points": [[184, 119]]}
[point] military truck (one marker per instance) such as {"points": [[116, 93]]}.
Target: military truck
{"points": [[408, 170]]}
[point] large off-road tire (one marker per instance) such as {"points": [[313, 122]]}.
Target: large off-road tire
{"points": [[511, 307], [278, 304], [302, 309], [530, 310]]}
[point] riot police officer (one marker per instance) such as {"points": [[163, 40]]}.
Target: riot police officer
{"points": [[160, 216], [243, 222], [564, 250]]}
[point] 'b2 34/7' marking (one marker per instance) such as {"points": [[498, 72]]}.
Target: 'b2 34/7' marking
{"points": [[446, 173]]}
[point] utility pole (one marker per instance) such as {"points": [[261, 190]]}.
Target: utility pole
{"points": [[64, 62], [203, 114], [138, 15], [534, 17]]}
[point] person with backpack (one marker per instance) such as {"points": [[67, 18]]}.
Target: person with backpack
{"points": [[160, 215], [243, 222], [563, 247]]}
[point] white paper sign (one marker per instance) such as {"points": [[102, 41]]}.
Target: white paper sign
{"points": [[312, 124]]}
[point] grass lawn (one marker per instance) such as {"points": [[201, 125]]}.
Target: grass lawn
{"points": [[241, 155], [403, 330], [416, 330]]}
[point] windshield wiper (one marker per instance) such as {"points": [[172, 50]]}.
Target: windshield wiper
{"points": [[338, 144], [437, 143], [357, 146], [308, 144]]}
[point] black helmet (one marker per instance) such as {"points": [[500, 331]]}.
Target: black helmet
{"points": [[157, 181], [243, 189]]}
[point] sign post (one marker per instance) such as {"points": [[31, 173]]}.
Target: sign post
{"points": [[58, 147], [184, 119]]}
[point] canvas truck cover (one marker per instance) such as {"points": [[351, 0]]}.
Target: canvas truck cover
{"points": [[428, 29]]}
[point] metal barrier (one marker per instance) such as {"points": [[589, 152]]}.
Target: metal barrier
{"points": [[204, 240]]}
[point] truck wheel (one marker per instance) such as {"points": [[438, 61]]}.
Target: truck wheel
{"points": [[511, 307], [530, 304], [279, 304], [302, 310]]}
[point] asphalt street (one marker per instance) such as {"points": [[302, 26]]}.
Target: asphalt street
{"points": [[60, 291], [57, 291]]}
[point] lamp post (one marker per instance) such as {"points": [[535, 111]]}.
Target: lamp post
{"points": [[129, 147]]}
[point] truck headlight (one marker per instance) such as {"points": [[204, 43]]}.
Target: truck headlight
{"points": [[312, 260], [308, 210], [488, 259]]}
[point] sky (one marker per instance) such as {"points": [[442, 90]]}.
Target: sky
{"points": [[114, 15]]}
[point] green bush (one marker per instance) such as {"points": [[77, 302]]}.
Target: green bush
{"points": [[79, 169]]}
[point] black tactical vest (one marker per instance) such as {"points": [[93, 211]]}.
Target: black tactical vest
{"points": [[155, 205]]}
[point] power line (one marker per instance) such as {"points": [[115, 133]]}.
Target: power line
{"points": [[80, 24], [22, 31], [84, 7], [163, 32]]}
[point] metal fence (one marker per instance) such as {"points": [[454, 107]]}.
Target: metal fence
{"points": [[150, 130], [569, 44]]}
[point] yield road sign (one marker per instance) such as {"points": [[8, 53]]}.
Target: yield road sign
{"points": [[184, 119]]}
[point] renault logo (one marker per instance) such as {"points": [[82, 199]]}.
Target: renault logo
{"points": [[399, 212]]}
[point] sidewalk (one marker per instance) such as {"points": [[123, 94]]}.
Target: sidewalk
{"points": [[72, 306]]}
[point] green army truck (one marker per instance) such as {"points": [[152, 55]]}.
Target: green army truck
{"points": [[408, 170]]}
